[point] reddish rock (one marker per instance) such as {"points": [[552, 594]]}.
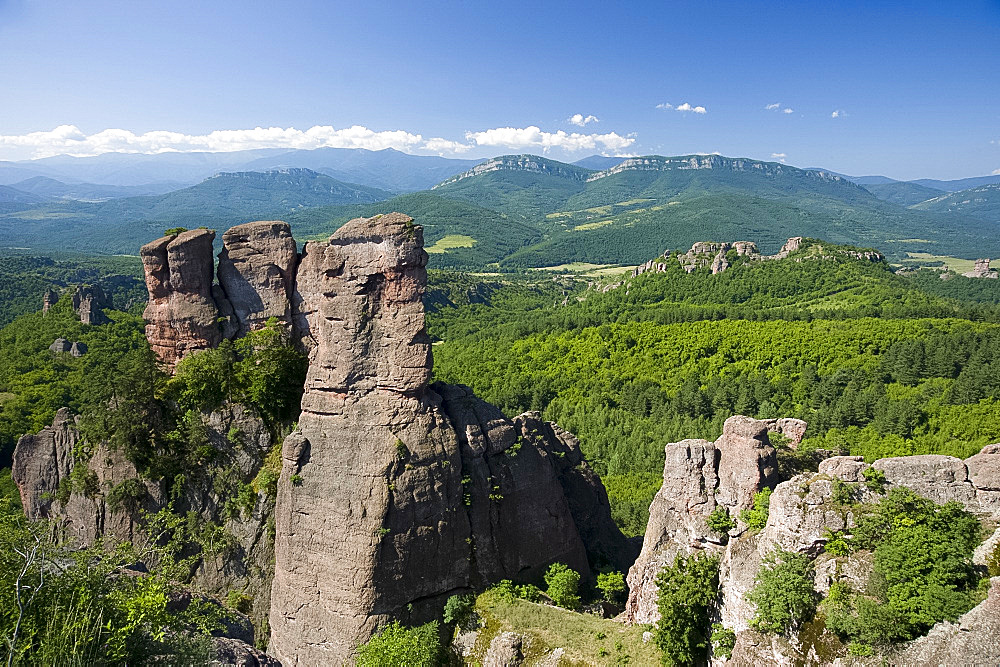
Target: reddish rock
{"points": [[181, 315]]}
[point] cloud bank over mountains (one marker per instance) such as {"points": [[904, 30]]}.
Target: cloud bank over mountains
{"points": [[71, 140]]}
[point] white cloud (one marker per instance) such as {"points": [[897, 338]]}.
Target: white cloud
{"points": [[533, 137], [667, 106], [70, 140], [780, 157], [787, 110], [773, 107], [839, 113], [580, 120], [996, 172], [688, 107]]}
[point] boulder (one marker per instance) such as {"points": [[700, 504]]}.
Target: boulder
{"points": [[181, 315], [230, 652], [504, 651], [78, 349], [257, 272], [60, 345]]}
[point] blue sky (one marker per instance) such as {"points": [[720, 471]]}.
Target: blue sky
{"points": [[916, 86]]}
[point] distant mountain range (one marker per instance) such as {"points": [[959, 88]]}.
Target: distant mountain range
{"points": [[511, 211], [386, 169], [122, 225]]}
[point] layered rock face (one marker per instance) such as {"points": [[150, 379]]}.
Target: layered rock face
{"points": [[395, 494], [257, 272], [698, 477], [181, 315]]}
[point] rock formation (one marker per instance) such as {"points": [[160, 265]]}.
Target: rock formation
{"points": [[698, 477], [89, 302], [107, 497], [257, 272], [181, 315], [41, 461], [713, 255], [49, 299], [61, 345], [982, 270], [387, 472]]}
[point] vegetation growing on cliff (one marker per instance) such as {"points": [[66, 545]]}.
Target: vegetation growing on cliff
{"points": [[66, 606], [922, 574], [687, 593]]}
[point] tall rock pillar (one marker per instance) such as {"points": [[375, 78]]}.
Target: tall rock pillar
{"points": [[394, 494], [181, 315]]}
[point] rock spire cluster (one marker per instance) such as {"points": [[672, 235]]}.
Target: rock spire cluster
{"points": [[187, 312]]}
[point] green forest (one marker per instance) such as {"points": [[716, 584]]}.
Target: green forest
{"points": [[878, 364]]}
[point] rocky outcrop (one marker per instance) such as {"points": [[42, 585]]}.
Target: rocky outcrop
{"points": [[89, 302], [49, 299], [181, 315], [504, 651], [42, 461], [104, 496], [704, 253], [715, 256], [386, 471], [257, 273], [982, 270], [61, 345], [791, 245], [698, 477], [238, 653]]}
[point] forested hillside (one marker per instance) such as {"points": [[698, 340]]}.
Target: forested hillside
{"points": [[25, 279], [525, 211], [877, 364]]}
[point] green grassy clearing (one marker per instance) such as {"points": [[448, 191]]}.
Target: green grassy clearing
{"points": [[586, 639], [450, 241]]}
